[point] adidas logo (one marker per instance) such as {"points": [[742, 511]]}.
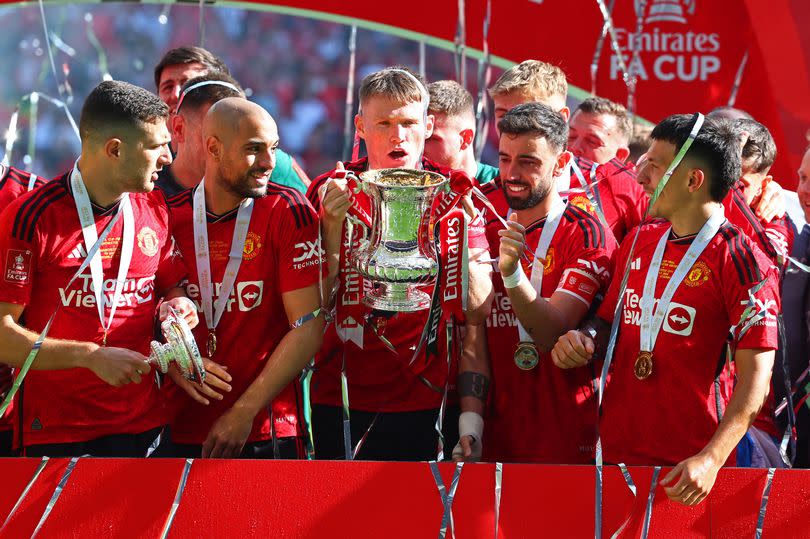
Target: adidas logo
{"points": [[78, 252], [636, 264], [37, 424]]}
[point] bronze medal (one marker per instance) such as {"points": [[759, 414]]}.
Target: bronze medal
{"points": [[526, 356], [644, 365], [211, 345]]}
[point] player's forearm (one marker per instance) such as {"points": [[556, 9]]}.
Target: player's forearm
{"points": [[541, 320], [287, 361], [474, 370], [481, 291], [55, 354], [332, 236], [750, 392]]}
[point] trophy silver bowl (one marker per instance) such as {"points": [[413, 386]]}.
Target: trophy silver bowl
{"points": [[400, 254], [180, 348]]}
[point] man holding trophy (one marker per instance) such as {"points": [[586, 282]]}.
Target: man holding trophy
{"points": [[375, 395], [94, 246], [254, 260]]}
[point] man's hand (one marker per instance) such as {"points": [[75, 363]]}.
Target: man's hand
{"points": [[184, 307], [513, 245], [335, 199], [117, 366], [228, 435], [216, 382], [573, 349], [468, 449], [771, 204], [695, 475]]}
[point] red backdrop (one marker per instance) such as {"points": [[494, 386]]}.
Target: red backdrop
{"points": [[132, 498]]}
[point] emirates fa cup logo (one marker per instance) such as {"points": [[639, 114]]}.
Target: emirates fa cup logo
{"points": [[665, 10]]}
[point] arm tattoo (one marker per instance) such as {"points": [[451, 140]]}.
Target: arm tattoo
{"points": [[473, 384]]}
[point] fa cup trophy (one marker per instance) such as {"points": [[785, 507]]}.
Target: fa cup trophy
{"points": [[399, 254], [180, 348]]}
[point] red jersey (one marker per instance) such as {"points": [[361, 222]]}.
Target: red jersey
{"points": [[280, 255], [379, 379], [546, 414], [41, 247], [622, 199], [672, 414], [13, 184]]}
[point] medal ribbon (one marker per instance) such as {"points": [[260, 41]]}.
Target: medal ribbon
{"points": [[213, 311], [651, 323], [90, 234], [538, 265]]}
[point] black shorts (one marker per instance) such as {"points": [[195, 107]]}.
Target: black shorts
{"points": [[288, 448], [399, 436], [115, 445]]}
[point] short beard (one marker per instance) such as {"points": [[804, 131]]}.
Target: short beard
{"points": [[536, 196], [239, 189]]}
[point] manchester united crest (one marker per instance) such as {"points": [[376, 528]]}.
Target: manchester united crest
{"points": [[698, 275], [253, 243], [148, 241], [548, 263]]}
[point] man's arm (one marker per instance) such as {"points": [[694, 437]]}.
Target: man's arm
{"points": [[334, 205], [696, 475], [473, 388], [228, 434], [116, 366]]}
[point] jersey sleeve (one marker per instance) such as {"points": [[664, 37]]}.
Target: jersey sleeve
{"points": [[19, 255], [589, 262], [751, 292], [300, 256], [607, 309]]}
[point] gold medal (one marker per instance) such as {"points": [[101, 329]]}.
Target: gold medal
{"points": [[526, 356], [644, 365], [211, 345]]}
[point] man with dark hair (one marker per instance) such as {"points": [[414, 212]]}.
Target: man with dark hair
{"points": [[599, 130], [263, 324], [173, 72], [537, 412], [692, 279], [179, 65], [724, 112], [451, 143], [13, 184], [104, 325], [197, 96], [774, 237]]}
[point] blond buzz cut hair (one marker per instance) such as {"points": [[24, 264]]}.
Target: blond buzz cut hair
{"points": [[397, 83], [533, 78]]}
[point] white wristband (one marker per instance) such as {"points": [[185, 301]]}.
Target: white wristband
{"points": [[516, 279], [471, 424]]}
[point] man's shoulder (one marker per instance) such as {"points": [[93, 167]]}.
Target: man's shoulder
{"points": [[733, 246], [282, 200], [26, 212]]}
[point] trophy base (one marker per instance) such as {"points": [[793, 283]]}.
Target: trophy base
{"points": [[397, 297]]}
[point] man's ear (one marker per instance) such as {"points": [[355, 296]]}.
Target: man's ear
{"points": [[359, 125], [467, 138], [563, 160], [213, 147], [696, 179], [112, 148], [178, 128], [623, 153], [430, 120]]}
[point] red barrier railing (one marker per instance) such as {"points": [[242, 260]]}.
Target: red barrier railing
{"points": [[133, 498]]}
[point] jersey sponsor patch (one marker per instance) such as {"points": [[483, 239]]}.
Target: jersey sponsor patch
{"points": [[308, 253], [580, 284], [18, 266]]}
